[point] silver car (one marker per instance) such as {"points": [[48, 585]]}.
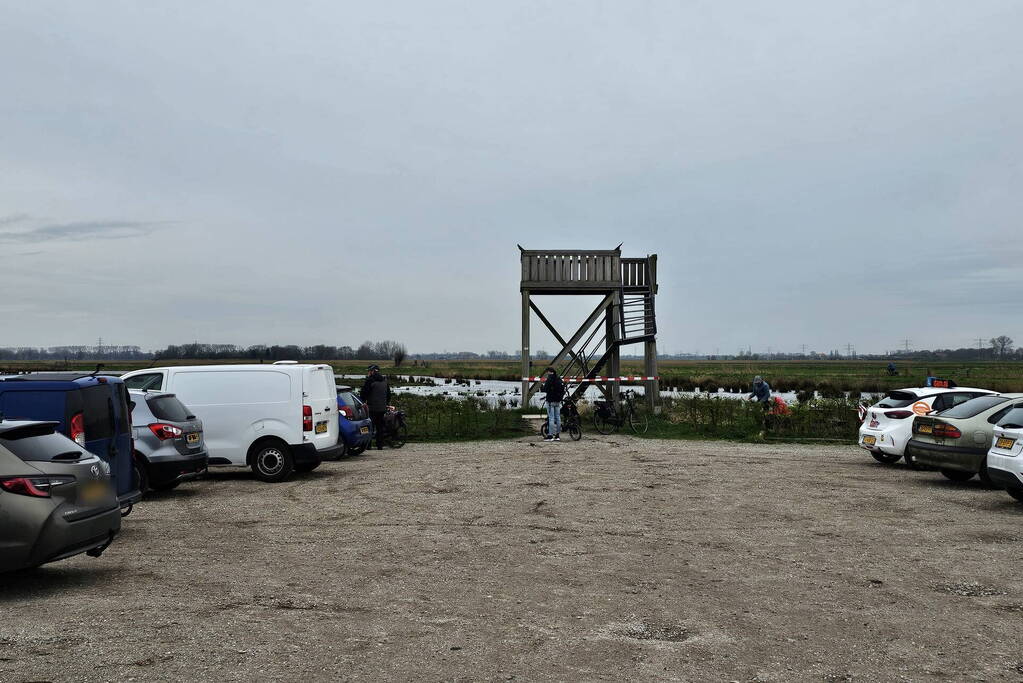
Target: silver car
{"points": [[56, 499], [169, 444]]}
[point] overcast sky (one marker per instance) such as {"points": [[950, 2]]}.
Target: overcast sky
{"points": [[816, 173]]}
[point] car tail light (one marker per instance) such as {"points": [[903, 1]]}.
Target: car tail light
{"points": [[899, 414], [37, 487], [307, 418], [348, 412], [78, 429], [165, 431], [946, 431]]}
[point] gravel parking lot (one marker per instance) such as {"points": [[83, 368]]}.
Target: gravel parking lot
{"points": [[610, 558]]}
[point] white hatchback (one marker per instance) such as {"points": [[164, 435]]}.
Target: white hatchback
{"points": [[1005, 459], [888, 425]]}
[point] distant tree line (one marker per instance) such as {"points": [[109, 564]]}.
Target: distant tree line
{"points": [[111, 352], [383, 350]]}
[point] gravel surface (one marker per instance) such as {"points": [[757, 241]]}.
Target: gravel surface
{"points": [[610, 558]]}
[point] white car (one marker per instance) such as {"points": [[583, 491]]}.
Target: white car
{"points": [[1005, 459], [276, 419], [888, 425]]}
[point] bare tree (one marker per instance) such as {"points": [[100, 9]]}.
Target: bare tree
{"points": [[1001, 345], [399, 355]]}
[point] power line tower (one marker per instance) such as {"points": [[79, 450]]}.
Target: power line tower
{"points": [[849, 350], [906, 343], [625, 315]]}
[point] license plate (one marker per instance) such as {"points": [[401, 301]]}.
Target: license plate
{"points": [[1002, 442], [364, 430], [869, 440], [192, 438], [925, 429], [321, 427], [93, 491]]}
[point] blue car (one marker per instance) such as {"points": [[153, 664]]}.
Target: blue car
{"points": [[93, 411], [353, 416]]}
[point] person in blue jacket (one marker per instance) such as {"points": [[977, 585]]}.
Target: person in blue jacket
{"points": [[761, 392]]}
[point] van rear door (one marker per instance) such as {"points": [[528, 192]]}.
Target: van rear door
{"points": [[319, 394]]}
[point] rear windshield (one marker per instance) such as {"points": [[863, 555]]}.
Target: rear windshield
{"points": [[168, 408], [348, 398], [974, 407], [98, 412], [40, 444], [1013, 419], [897, 399]]}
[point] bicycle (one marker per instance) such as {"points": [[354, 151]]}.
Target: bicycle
{"points": [[570, 420], [395, 428], [607, 419]]}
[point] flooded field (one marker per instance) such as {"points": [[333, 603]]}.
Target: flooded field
{"points": [[509, 394]]}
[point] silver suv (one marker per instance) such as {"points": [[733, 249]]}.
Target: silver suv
{"points": [[169, 444]]}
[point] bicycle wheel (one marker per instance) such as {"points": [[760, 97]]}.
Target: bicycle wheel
{"points": [[638, 422], [399, 436], [544, 429], [575, 430], [605, 425]]}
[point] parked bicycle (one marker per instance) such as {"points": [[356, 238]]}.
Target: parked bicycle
{"points": [[607, 418], [395, 428], [570, 421]]}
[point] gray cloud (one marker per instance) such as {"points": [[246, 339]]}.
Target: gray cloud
{"points": [[80, 230]]}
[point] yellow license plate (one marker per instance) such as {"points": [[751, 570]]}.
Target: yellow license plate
{"points": [[321, 427], [869, 440], [93, 491], [192, 438], [1002, 442], [364, 430], [925, 429]]}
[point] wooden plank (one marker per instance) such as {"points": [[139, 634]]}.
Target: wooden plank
{"points": [[569, 252], [525, 347]]}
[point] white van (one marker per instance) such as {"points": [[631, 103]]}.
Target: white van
{"points": [[275, 419]]}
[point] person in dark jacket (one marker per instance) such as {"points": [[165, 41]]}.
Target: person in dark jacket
{"points": [[761, 392], [555, 390], [376, 394]]}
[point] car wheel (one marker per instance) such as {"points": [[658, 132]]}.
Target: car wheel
{"points": [[166, 486], [141, 475], [957, 475], [272, 461], [356, 450], [1016, 493], [911, 462], [885, 458]]}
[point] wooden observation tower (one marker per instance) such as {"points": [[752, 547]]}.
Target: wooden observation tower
{"points": [[624, 316]]}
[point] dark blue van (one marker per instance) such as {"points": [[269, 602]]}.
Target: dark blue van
{"points": [[93, 411]]}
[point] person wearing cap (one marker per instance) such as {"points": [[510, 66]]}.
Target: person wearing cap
{"points": [[761, 393], [555, 390], [376, 394]]}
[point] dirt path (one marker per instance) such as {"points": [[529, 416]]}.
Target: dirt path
{"points": [[611, 558]]}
